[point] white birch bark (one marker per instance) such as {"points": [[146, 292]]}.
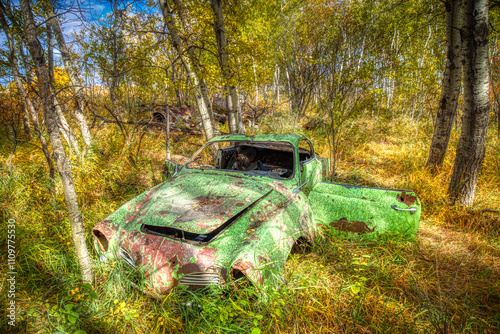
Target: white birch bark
{"points": [[230, 91], [76, 83], [452, 79], [28, 104], [66, 130], [201, 95], [60, 158], [26, 123], [471, 145]]}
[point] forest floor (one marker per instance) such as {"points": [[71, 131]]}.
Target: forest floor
{"points": [[447, 281]]}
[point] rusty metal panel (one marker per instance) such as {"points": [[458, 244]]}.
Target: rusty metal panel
{"points": [[237, 208]]}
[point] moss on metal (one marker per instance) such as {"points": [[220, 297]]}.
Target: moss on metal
{"points": [[222, 221]]}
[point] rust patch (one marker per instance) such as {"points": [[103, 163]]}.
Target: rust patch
{"points": [[253, 236], [174, 260], [107, 228], [248, 269], [255, 225], [216, 207], [406, 198], [351, 226], [206, 256], [164, 213], [243, 266], [263, 258], [190, 268]]}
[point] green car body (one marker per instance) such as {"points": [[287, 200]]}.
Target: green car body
{"points": [[237, 209]]}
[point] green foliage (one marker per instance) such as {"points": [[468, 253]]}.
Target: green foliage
{"points": [[66, 317]]}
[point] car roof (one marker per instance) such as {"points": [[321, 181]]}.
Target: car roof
{"points": [[292, 138]]}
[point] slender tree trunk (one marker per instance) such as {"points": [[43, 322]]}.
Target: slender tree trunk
{"points": [[206, 98], [167, 121], [27, 67], [230, 91], [498, 122], [63, 166], [452, 76], [65, 129], [114, 76], [255, 82], [28, 104], [239, 116], [26, 123], [203, 87], [50, 52], [470, 149], [231, 116], [276, 83], [76, 83], [201, 94], [333, 152]]}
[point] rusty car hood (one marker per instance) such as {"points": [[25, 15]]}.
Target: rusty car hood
{"points": [[200, 203], [194, 202]]}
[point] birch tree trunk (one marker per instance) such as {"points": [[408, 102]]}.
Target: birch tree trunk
{"points": [[26, 123], [14, 64], [77, 231], [167, 122], [65, 129], [470, 149], [498, 123], [76, 83], [188, 29], [198, 84], [114, 76], [50, 52], [452, 78], [230, 91]]}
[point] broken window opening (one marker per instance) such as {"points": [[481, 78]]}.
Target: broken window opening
{"points": [[306, 150], [274, 159]]}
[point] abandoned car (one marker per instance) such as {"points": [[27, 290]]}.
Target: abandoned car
{"points": [[236, 210]]}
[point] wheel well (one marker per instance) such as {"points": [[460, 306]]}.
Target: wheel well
{"points": [[301, 246]]}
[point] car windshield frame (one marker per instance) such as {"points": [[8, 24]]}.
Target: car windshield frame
{"points": [[265, 144]]}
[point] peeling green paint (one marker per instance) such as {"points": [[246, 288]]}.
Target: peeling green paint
{"points": [[205, 223], [379, 209]]}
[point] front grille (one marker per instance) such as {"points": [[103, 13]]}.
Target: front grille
{"points": [[201, 279]]}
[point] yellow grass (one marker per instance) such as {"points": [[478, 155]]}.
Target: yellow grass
{"points": [[446, 281]]}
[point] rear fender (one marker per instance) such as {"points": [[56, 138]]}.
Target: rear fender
{"points": [[368, 212]]}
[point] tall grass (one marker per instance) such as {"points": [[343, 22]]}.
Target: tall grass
{"points": [[446, 281]]}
